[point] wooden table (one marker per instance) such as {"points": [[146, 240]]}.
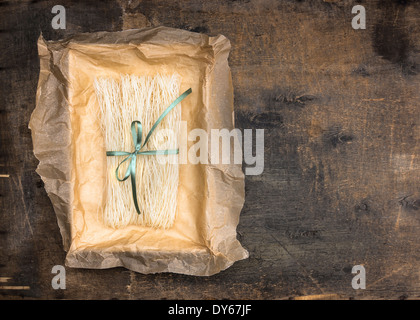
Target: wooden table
{"points": [[340, 187]]}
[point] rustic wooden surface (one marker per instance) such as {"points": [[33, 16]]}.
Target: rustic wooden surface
{"points": [[340, 109]]}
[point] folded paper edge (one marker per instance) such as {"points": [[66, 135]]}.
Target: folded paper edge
{"points": [[224, 240], [57, 184]]}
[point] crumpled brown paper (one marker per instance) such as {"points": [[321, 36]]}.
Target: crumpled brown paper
{"points": [[70, 148]]}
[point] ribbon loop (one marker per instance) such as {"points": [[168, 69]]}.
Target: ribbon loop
{"points": [[136, 133]]}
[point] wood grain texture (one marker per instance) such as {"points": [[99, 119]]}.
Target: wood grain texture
{"points": [[340, 109]]}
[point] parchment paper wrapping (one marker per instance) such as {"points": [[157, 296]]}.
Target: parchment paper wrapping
{"points": [[72, 160]]}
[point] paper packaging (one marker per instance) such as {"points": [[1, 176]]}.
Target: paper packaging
{"points": [[72, 159]]}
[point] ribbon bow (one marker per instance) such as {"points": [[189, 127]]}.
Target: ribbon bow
{"points": [[136, 132]]}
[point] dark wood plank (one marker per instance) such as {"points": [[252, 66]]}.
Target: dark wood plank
{"points": [[341, 181]]}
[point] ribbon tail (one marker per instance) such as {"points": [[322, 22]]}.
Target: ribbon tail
{"points": [[163, 115], [159, 152], [117, 153], [133, 184]]}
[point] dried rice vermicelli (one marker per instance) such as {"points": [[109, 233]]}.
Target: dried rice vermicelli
{"points": [[142, 98]]}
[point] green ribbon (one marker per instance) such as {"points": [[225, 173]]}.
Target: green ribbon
{"points": [[136, 132]]}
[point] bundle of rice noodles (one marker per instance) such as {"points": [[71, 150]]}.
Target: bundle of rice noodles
{"points": [[142, 98]]}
